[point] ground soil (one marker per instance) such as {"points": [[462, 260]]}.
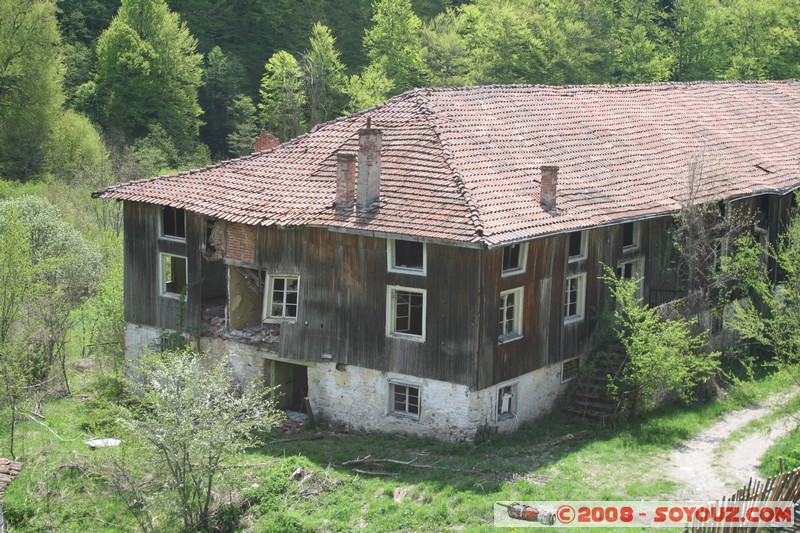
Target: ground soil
{"points": [[707, 467]]}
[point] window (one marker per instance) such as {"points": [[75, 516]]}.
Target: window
{"points": [[630, 235], [281, 301], [575, 288], [173, 275], [506, 401], [173, 222], [570, 369], [577, 246], [630, 270], [511, 314], [406, 313], [514, 258], [405, 400], [408, 257]]}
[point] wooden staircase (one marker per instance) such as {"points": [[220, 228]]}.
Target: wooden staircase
{"points": [[589, 398]]}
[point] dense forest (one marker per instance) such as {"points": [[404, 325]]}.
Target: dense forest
{"points": [[125, 90]]}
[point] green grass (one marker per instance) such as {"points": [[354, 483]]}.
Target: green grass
{"points": [[303, 485]]}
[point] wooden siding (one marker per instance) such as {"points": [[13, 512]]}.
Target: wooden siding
{"points": [[343, 293]]}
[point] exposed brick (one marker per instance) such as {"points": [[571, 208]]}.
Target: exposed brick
{"points": [[240, 243]]}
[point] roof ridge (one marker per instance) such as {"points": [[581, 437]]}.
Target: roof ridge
{"points": [[461, 185]]}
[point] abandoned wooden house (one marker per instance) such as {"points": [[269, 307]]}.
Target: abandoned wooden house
{"points": [[431, 265]]}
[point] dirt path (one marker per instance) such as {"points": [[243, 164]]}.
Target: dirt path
{"points": [[709, 474]]}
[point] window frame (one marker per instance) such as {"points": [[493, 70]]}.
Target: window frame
{"points": [[162, 275], [580, 303], [391, 258], [513, 387], [573, 376], [391, 313], [635, 237], [637, 270], [392, 402], [519, 304], [521, 263], [266, 316], [582, 254], [162, 226]]}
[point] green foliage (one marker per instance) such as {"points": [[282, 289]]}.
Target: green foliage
{"points": [[393, 42], [190, 418], [77, 148], [771, 314], [529, 42], [369, 88], [30, 85], [664, 356], [698, 39], [444, 51], [641, 53], [323, 73], [244, 122], [282, 96], [224, 84], [148, 73]]}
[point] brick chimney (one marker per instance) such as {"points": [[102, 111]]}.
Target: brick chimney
{"points": [[549, 181], [345, 179], [369, 166], [265, 141]]}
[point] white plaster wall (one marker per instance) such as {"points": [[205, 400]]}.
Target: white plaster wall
{"points": [[357, 398], [536, 395]]}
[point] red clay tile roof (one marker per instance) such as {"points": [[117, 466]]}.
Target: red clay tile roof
{"points": [[9, 470], [462, 165]]}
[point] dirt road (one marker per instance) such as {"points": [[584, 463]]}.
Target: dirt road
{"points": [[708, 472]]}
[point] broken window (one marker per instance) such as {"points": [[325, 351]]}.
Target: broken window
{"points": [[173, 222], [173, 275], [406, 313], [577, 245], [407, 256], [514, 258], [506, 401], [575, 288], [631, 270], [282, 297], [405, 399], [511, 314], [630, 235], [215, 232]]}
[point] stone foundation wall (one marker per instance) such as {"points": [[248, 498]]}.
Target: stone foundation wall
{"points": [[359, 399]]}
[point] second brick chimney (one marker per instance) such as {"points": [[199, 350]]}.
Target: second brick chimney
{"points": [[368, 189], [345, 179], [549, 182]]}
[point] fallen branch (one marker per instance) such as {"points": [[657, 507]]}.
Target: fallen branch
{"points": [[371, 473], [315, 436], [59, 437], [561, 440], [368, 460]]}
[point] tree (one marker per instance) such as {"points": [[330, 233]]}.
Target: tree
{"points": [[640, 53], [531, 41], [444, 51], [763, 39], [393, 42], [369, 88], [770, 315], [323, 73], [244, 126], [191, 419], [31, 74], [282, 98], [698, 39], [663, 355], [148, 72], [224, 82]]}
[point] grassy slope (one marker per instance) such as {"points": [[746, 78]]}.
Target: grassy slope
{"points": [[302, 485]]}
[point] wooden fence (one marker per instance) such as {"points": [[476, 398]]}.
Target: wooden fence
{"points": [[781, 488]]}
